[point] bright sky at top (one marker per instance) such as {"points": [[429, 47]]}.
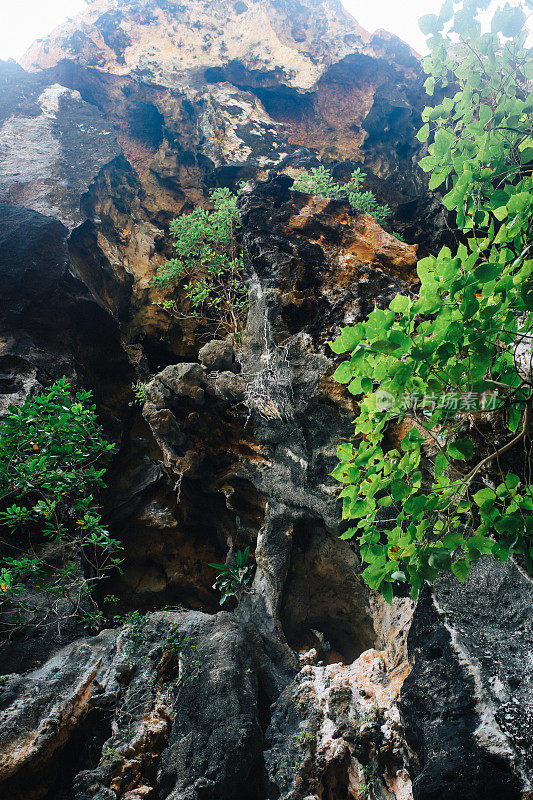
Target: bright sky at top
{"points": [[23, 21]]}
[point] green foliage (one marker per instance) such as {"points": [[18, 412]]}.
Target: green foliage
{"points": [[134, 640], [368, 777], [179, 657], [208, 263], [139, 391], [176, 661], [321, 183], [233, 579], [51, 452], [371, 715], [468, 333], [304, 738]]}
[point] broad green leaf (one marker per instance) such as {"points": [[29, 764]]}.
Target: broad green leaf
{"points": [[483, 497], [400, 304], [429, 86], [338, 346], [446, 12], [428, 24], [440, 559], [423, 133], [343, 373], [461, 449], [400, 490], [460, 569], [509, 21], [500, 213], [386, 591], [351, 336]]}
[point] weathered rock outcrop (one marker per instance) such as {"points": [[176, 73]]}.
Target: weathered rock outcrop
{"points": [[310, 686], [193, 95], [470, 645]]}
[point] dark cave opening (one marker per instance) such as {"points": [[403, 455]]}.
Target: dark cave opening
{"points": [[83, 751], [247, 79], [325, 602], [160, 354], [53, 779], [335, 781], [256, 785], [168, 544], [146, 124], [12, 370], [171, 531]]}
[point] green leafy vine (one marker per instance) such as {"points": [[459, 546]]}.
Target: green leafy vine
{"points": [[439, 471]]}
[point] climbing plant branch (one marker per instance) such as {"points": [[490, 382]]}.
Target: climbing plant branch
{"points": [[467, 335]]}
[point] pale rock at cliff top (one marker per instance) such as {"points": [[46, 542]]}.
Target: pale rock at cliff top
{"points": [[173, 43]]}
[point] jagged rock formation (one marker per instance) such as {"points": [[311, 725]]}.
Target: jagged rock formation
{"points": [[480, 718], [311, 687]]}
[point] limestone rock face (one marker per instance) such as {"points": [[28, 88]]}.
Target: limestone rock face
{"points": [[52, 144], [308, 686], [168, 706], [174, 43], [481, 710], [332, 727], [247, 86]]}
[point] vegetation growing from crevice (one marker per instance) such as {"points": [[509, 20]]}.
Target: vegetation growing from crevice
{"points": [[54, 549], [165, 669], [320, 182], [454, 365], [139, 392], [368, 775], [234, 579], [208, 266]]}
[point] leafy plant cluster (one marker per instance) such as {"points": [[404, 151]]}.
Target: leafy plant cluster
{"points": [[319, 181], [445, 494], [368, 775], [179, 661], [176, 646], [304, 738], [208, 264], [233, 579], [52, 538], [134, 639], [139, 392], [371, 715]]}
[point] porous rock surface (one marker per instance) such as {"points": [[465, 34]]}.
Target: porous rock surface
{"points": [[481, 688], [311, 687]]}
